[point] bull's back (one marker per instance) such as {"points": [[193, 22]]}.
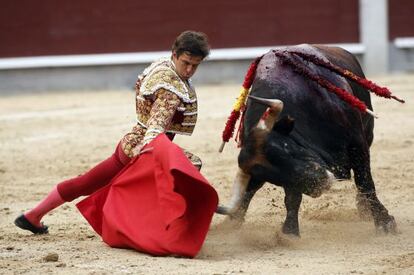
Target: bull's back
{"points": [[327, 122], [348, 61]]}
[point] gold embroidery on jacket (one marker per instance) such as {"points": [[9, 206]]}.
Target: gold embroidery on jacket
{"points": [[164, 103], [163, 76]]}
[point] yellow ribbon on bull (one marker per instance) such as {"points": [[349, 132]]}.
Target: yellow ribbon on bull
{"points": [[241, 99]]}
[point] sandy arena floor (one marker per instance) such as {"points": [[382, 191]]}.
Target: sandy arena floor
{"points": [[46, 138]]}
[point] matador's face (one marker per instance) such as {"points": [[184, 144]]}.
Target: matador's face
{"points": [[186, 64]]}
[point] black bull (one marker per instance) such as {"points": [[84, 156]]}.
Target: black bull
{"points": [[308, 140]]}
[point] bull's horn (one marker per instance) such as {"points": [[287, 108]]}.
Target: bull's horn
{"points": [[274, 104]]}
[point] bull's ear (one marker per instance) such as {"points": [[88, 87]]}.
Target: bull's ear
{"points": [[284, 125]]}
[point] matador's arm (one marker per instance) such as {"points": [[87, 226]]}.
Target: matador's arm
{"points": [[161, 114]]}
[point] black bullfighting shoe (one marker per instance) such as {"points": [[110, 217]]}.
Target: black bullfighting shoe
{"points": [[24, 224]]}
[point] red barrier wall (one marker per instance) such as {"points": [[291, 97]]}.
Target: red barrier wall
{"points": [[401, 18], [50, 27]]}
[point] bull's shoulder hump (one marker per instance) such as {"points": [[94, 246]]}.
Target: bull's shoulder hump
{"points": [[340, 57], [334, 51]]}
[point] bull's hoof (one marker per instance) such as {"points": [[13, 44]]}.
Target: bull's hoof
{"points": [[223, 210], [291, 230], [233, 214], [363, 207], [387, 225]]}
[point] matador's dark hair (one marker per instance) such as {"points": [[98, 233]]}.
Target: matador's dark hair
{"points": [[195, 43]]}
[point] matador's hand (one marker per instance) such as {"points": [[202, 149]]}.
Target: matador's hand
{"points": [[136, 150], [140, 149]]}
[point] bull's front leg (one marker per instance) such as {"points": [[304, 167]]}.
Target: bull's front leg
{"points": [[366, 189], [293, 200], [239, 189], [244, 188]]}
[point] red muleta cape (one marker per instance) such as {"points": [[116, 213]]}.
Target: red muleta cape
{"points": [[158, 204]]}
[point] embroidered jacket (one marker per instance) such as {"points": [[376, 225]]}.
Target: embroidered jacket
{"points": [[164, 103], [162, 75]]}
